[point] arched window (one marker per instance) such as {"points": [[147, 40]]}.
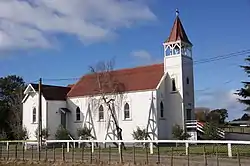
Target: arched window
{"points": [[34, 115], [187, 80], [78, 114], [126, 111], [173, 85], [101, 113], [161, 109]]}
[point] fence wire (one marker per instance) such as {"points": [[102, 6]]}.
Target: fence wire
{"points": [[135, 153]]}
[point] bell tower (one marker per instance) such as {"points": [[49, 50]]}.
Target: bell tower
{"points": [[178, 67]]}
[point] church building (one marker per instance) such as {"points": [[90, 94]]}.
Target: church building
{"points": [[154, 97]]}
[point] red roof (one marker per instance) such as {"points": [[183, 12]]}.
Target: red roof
{"points": [[178, 32], [132, 79]]}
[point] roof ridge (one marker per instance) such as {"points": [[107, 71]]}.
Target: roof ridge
{"points": [[130, 68], [51, 85]]}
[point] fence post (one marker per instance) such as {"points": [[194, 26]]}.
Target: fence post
{"points": [[172, 156], [238, 157], [1, 151], [229, 150], [92, 147], [67, 146], [63, 154], [119, 147], [7, 146], [25, 145], [151, 148], [134, 153], [16, 152], [187, 146]]}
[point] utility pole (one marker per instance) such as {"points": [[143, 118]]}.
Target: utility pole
{"points": [[40, 116]]}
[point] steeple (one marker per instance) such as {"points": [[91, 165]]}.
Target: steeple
{"points": [[178, 33], [178, 42]]}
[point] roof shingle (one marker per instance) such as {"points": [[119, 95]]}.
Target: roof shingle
{"points": [[133, 79]]}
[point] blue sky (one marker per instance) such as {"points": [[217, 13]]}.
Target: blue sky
{"points": [[58, 39]]}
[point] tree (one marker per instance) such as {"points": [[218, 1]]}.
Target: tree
{"points": [[109, 89], [179, 133], [244, 93], [210, 131], [217, 116], [220, 115], [201, 113], [11, 95]]}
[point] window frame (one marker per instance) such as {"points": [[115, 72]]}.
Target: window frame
{"points": [[78, 114], [161, 110], [34, 115], [187, 81], [101, 111], [126, 110], [189, 112], [173, 85]]}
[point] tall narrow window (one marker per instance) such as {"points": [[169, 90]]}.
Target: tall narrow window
{"points": [[161, 109], [101, 113], [173, 85], [187, 80], [188, 114], [78, 114], [34, 115], [126, 111]]}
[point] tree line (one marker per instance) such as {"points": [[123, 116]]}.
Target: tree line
{"points": [[11, 95]]}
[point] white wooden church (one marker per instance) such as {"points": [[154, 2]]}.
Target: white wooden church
{"points": [[155, 98]]}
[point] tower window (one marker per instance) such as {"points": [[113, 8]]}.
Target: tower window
{"points": [[78, 114], [187, 80], [161, 109], [173, 85]]}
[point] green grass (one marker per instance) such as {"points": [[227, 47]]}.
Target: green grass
{"points": [[222, 150]]}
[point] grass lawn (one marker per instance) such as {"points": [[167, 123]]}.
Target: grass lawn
{"points": [[222, 150]]}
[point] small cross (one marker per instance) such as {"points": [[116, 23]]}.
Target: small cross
{"points": [[177, 12]]}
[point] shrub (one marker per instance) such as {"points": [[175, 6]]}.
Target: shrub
{"points": [[62, 133], [84, 133], [179, 133], [45, 133], [140, 134], [3, 136]]}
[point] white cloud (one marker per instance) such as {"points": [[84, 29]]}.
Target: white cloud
{"points": [[32, 23], [221, 99], [144, 57], [142, 54]]}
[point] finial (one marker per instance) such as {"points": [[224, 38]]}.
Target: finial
{"points": [[177, 12]]}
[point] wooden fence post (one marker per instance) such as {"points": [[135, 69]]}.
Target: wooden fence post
{"points": [[229, 150]]}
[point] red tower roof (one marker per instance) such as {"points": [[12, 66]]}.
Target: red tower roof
{"points": [[178, 32]]}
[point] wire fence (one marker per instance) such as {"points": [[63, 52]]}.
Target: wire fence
{"points": [[172, 153]]}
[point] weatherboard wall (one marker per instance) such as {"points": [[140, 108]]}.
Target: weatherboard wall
{"points": [[28, 105], [54, 116], [140, 103]]}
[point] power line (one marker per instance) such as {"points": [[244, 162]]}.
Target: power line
{"points": [[197, 62]]}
